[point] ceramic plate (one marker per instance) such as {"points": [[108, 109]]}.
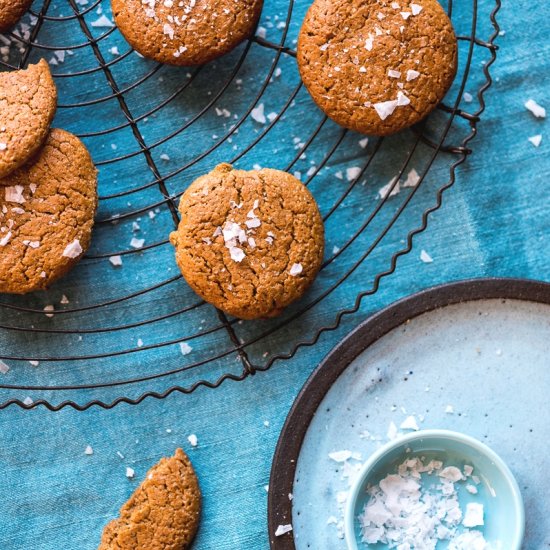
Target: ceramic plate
{"points": [[469, 356]]}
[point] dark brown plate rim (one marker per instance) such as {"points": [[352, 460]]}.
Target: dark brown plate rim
{"points": [[320, 381]]}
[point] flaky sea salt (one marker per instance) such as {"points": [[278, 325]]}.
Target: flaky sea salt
{"points": [[296, 269], [340, 456], [130, 473], [193, 441], [88, 450], [353, 173], [258, 114], [185, 348], [116, 261], [412, 75], [283, 529], [385, 108], [425, 257], [535, 108], [4, 369], [73, 250], [535, 140]]}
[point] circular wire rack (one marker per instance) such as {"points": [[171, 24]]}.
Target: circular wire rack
{"points": [[111, 333]]}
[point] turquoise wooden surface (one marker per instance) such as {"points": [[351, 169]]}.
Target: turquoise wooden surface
{"points": [[494, 221]]}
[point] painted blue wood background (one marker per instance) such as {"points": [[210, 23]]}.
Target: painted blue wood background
{"points": [[494, 222]]}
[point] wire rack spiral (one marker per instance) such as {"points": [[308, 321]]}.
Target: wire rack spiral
{"points": [[112, 334]]}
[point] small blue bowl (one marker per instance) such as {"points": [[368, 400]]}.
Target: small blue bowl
{"points": [[498, 491]]}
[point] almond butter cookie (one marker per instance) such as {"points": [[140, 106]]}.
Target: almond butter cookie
{"points": [[185, 32], [162, 514], [28, 101], [250, 243], [377, 66], [47, 212], [11, 11]]}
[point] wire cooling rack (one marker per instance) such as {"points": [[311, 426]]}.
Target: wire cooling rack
{"points": [[118, 333]]}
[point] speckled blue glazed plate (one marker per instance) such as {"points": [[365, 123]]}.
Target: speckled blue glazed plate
{"points": [[471, 356]]}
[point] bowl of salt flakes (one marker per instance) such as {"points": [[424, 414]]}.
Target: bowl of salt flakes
{"points": [[435, 489]]}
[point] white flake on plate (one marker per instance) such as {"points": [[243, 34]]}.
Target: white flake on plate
{"points": [[412, 179], [258, 114], [88, 450], [363, 143], [535, 140], [425, 257], [120, 455], [415, 9], [474, 515], [139, 343], [535, 108], [340, 456], [47, 309], [193, 441], [114, 51], [266, 423], [392, 431], [341, 497], [452, 473], [261, 32], [412, 75], [73, 250], [449, 409], [352, 173], [185, 348], [34, 363], [385, 108], [130, 473], [389, 189], [103, 21], [409, 424], [472, 489], [27, 401], [283, 529], [332, 520], [468, 98], [296, 269], [137, 243], [116, 261], [3, 367]]}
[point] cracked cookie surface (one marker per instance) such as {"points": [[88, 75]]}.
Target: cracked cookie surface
{"points": [[162, 514], [250, 243], [28, 101], [47, 212], [376, 66], [186, 32], [11, 11]]}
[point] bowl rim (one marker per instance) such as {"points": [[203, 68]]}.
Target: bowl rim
{"points": [[374, 458]]}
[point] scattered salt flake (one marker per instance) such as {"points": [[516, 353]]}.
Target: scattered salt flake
{"points": [[6, 239], [535, 108], [3, 367], [393, 73], [103, 21], [474, 515], [449, 409], [27, 401], [114, 51], [258, 114], [120, 455], [468, 470], [14, 194], [340, 456], [73, 250], [283, 529], [390, 189], [193, 441], [266, 423], [341, 497], [409, 424], [369, 42], [412, 75], [392, 431], [471, 489], [402, 99], [34, 363], [469, 540], [164, 157], [535, 140], [332, 520], [425, 257], [385, 108], [405, 14], [296, 269], [352, 173], [261, 32], [137, 243], [415, 9], [47, 309], [451, 473], [237, 254], [116, 261], [130, 473], [64, 300], [88, 450], [266, 488], [185, 348], [363, 143], [412, 179], [139, 343], [468, 98]]}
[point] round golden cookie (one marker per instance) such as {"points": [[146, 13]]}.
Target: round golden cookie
{"points": [[162, 514], [377, 66], [28, 100], [47, 212], [185, 32], [11, 11], [250, 243]]}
